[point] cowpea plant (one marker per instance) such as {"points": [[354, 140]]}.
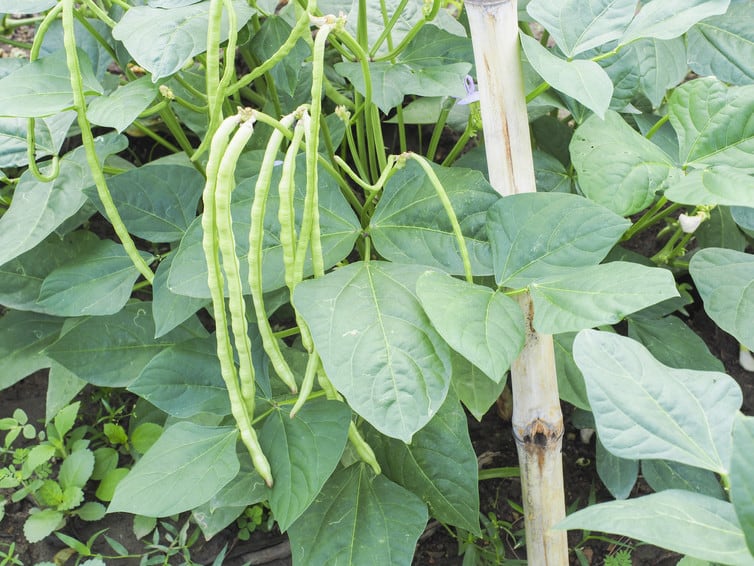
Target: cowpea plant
{"points": [[308, 300]]}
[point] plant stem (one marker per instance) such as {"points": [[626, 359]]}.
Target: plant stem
{"points": [[87, 139]]}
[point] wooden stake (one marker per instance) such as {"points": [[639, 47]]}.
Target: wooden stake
{"points": [[537, 418]]}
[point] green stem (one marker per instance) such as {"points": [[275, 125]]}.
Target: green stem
{"points": [[468, 132], [155, 136], [439, 127], [654, 129], [461, 241], [87, 139], [388, 27], [499, 473]]}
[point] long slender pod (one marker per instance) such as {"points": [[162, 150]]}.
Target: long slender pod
{"points": [[311, 210], [210, 245], [256, 237], [87, 140], [230, 264]]}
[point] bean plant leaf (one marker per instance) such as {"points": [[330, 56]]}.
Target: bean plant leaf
{"points": [[372, 307], [617, 167], [26, 6], [715, 185], [156, 202], [598, 294], [681, 521], [571, 386], [38, 208], [578, 26], [23, 336], [111, 351], [662, 65], [358, 519], [644, 409], [187, 465], [43, 87], [163, 40], [741, 469], [303, 452], [121, 107], [484, 326], [671, 18], [410, 224], [475, 390], [97, 282], [664, 474], [725, 281], [184, 380], [706, 114], [170, 309], [434, 63], [582, 80], [13, 141], [338, 224], [439, 466], [618, 474], [539, 234], [673, 343], [22, 277], [723, 46]]}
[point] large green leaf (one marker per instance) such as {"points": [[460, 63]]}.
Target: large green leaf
{"points": [[187, 465], [598, 294], [163, 41], [97, 282], [184, 380], [585, 81], [303, 452], [121, 107], [434, 63], [671, 18], [23, 336], [43, 87], [38, 208], [710, 119], [673, 343], [685, 522], [578, 26], [111, 351], [439, 466], [646, 410], [13, 141], [742, 476], [377, 345], [475, 390], [484, 326], [571, 386], [156, 202], [539, 234], [338, 224], [723, 46], [618, 474], [358, 519], [664, 474], [22, 277], [617, 167], [725, 280], [410, 224], [715, 185], [662, 65], [170, 309]]}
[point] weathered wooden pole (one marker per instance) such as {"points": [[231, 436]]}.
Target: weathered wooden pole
{"points": [[537, 418]]}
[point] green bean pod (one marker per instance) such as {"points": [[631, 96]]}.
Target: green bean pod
{"points": [[242, 413], [256, 237], [230, 264]]}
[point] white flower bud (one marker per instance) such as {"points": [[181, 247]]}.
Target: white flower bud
{"points": [[689, 224]]}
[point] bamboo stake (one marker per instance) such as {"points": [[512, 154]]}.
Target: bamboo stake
{"points": [[537, 418]]}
